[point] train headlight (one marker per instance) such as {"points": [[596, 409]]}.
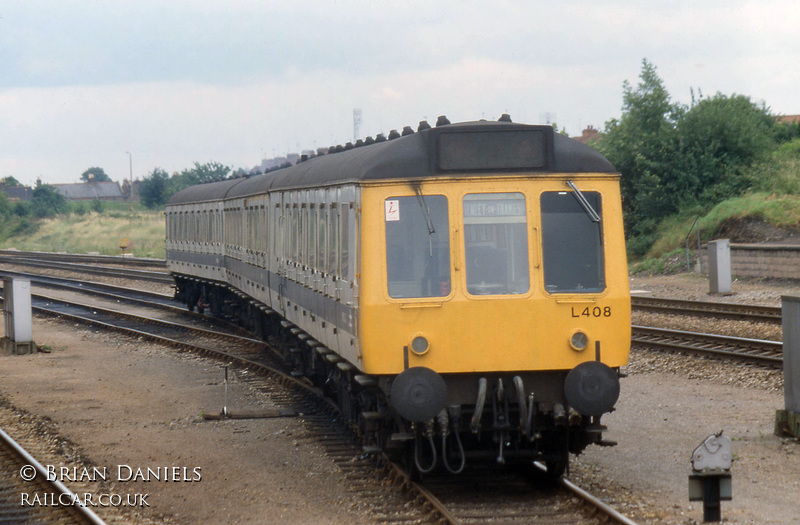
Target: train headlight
{"points": [[579, 341], [420, 345]]}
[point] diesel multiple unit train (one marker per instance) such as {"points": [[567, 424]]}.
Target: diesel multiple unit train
{"points": [[462, 289]]}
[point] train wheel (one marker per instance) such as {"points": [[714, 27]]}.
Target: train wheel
{"points": [[556, 454], [557, 467]]}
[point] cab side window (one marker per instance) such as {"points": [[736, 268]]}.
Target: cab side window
{"points": [[417, 246]]}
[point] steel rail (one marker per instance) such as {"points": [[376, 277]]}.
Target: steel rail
{"points": [[610, 512], [84, 286], [240, 360], [754, 312], [134, 317], [755, 350], [144, 275], [84, 512], [433, 505], [86, 258], [109, 291]]}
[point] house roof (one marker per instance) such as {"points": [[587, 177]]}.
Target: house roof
{"points": [[788, 119], [17, 193], [88, 191], [590, 134]]}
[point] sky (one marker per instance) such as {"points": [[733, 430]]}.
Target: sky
{"points": [[130, 86]]}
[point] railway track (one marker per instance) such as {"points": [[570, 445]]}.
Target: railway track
{"points": [[516, 495], [252, 355], [755, 351], [28, 495], [122, 272], [748, 312], [87, 259]]}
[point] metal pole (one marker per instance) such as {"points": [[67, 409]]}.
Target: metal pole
{"points": [[711, 504], [130, 165], [225, 403], [686, 240], [699, 257]]}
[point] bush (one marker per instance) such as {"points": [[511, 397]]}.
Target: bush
{"points": [[24, 227], [48, 202], [22, 209]]}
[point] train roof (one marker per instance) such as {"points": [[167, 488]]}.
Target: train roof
{"points": [[490, 148], [206, 192]]}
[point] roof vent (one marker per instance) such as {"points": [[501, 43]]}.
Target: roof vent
{"points": [[407, 131], [505, 117], [423, 125], [442, 121], [394, 134]]}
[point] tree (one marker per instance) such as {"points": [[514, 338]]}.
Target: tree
{"points": [[95, 175], [670, 156], [47, 201], [156, 189], [5, 205], [10, 181], [152, 189], [719, 138], [208, 172], [642, 145]]}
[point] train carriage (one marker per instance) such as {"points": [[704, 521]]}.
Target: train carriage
{"points": [[464, 287]]}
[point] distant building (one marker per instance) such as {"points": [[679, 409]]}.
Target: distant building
{"points": [[788, 119], [589, 135], [17, 193], [130, 192], [102, 191]]}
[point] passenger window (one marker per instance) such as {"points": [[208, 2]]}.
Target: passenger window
{"points": [[312, 239], [322, 245], [417, 246], [496, 243], [572, 243], [333, 240], [344, 253], [294, 238]]}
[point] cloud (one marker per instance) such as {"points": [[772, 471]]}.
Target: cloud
{"points": [[183, 81]]}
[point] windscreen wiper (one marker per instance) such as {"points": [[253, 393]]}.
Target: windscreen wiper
{"points": [[425, 211], [593, 215]]}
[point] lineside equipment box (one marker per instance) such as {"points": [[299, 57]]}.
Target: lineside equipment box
{"points": [[18, 315]]}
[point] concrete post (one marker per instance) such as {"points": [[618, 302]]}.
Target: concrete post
{"points": [[788, 420], [719, 266]]}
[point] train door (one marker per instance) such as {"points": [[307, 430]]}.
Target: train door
{"points": [[346, 290], [281, 258]]}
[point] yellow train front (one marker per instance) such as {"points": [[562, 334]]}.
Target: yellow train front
{"points": [[463, 289], [496, 292]]}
